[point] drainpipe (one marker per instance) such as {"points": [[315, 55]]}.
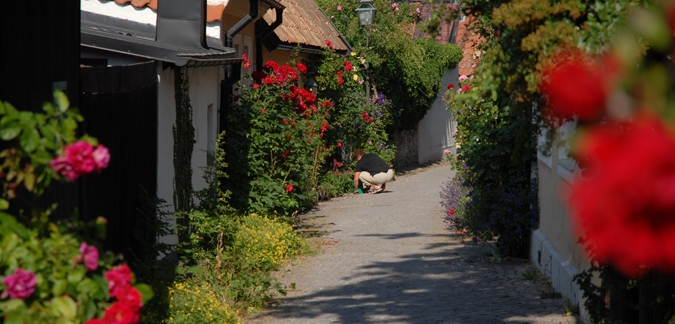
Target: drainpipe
{"points": [[260, 36], [232, 77]]}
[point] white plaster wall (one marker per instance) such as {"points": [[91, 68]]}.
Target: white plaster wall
{"points": [[435, 130], [144, 16], [166, 116], [204, 91]]}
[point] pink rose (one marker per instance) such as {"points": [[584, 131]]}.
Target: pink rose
{"points": [[118, 278], [101, 157], [339, 8], [19, 285], [79, 155], [61, 166], [462, 78], [88, 255]]}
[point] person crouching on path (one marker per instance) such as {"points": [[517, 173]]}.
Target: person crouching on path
{"points": [[372, 171]]}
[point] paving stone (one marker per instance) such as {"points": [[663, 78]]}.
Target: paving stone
{"points": [[387, 258]]}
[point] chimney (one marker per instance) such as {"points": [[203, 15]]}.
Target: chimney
{"points": [[182, 23]]}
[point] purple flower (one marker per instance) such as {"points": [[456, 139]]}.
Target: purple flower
{"points": [[19, 285], [88, 255]]}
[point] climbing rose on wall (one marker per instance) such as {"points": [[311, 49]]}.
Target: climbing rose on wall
{"points": [[301, 67], [20, 285], [246, 64], [624, 206]]}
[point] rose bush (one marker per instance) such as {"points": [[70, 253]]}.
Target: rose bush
{"points": [[47, 274], [275, 142]]}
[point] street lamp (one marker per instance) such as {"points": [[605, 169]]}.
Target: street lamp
{"points": [[311, 84], [366, 13]]}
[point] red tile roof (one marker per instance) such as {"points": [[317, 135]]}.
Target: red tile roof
{"points": [[305, 23], [468, 41]]}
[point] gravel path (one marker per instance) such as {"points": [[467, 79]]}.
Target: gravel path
{"points": [[387, 258]]}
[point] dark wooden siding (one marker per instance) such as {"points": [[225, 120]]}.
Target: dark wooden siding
{"points": [[119, 105], [40, 46]]}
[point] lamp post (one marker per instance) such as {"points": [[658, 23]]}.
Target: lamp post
{"points": [[366, 13]]}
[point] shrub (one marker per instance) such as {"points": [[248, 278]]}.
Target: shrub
{"points": [[261, 244], [336, 183], [275, 148], [49, 275], [358, 122], [197, 303]]}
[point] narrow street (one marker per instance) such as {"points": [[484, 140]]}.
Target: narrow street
{"points": [[387, 258]]}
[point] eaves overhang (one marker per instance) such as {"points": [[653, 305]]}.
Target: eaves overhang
{"points": [[129, 42]]}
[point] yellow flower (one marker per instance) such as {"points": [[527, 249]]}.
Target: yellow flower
{"points": [[355, 77], [353, 53]]}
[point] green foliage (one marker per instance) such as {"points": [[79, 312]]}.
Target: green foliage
{"points": [[336, 183], [66, 290], [350, 126], [39, 136], [191, 303], [261, 244], [263, 126], [407, 70], [183, 144]]}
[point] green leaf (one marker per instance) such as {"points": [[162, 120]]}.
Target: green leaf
{"points": [[61, 100], [75, 276], [10, 131], [29, 181], [64, 306], [4, 204], [29, 140], [146, 292], [59, 287]]}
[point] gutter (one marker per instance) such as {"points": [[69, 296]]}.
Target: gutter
{"points": [[262, 35], [232, 72]]}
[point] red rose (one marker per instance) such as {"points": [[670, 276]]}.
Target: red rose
{"points": [[263, 110], [339, 144], [61, 166], [285, 155], [118, 278], [339, 74], [289, 188], [131, 297], [255, 86], [348, 66], [466, 88], [451, 86], [329, 44], [575, 86], [451, 211], [624, 206], [301, 67], [121, 313]]}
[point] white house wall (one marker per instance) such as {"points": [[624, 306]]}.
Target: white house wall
{"points": [[435, 130], [204, 92]]}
